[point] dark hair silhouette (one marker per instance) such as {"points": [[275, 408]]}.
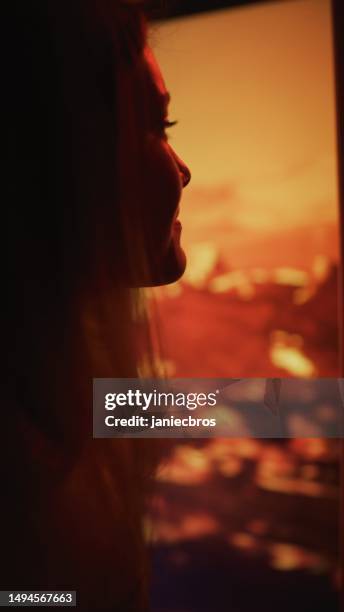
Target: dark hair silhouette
{"points": [[75, 247]]}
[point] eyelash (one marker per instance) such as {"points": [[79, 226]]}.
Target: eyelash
{"points": [[169, 124], [165, 125]]}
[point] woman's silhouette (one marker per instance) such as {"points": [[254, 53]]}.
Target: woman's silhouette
{"points": [[92, 199]]}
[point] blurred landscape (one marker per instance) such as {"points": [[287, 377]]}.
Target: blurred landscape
{"points": [[241, 521], [250, 323], [247, 523]]}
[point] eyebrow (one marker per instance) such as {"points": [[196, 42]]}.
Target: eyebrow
{"points": [[163, 98], [160, 102], [166, 99]]}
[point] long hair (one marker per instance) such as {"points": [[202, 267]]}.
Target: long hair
{"points": [[75, 253]]}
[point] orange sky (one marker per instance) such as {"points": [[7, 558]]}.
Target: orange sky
{"points": [[253, 90]]}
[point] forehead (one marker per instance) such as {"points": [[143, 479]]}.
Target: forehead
{"points": [[154, 70], [155, 79]]}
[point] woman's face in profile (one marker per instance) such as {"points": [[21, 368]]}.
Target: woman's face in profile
{"points": [[164, 177]]}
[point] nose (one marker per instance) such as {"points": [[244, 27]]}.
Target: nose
{"points": [[183, 169]]}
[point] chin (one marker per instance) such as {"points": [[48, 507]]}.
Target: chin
{"points": [[175, 265], [172, 268]]}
